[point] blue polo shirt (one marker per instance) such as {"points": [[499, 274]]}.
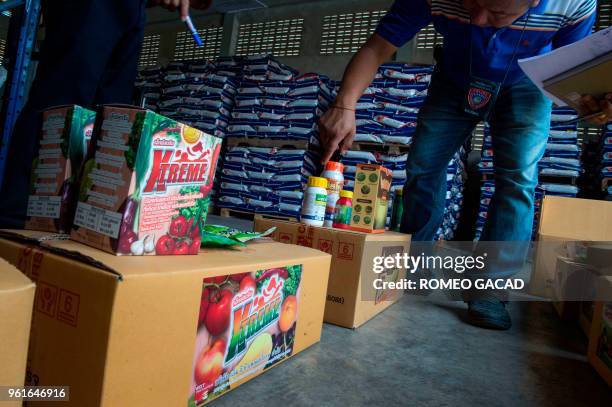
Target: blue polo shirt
{"points": [[551, 24]]}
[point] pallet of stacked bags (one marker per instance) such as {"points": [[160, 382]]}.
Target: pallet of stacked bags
{"points": [[606, 169], [196, 94], [274, 117], [558, 170], [456, 176], [148, 87], [593, 158], [387, 111], [267, 181], [280, 109]]}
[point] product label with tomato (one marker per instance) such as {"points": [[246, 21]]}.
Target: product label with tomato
{"points": [[146, 189], [246, 324]]}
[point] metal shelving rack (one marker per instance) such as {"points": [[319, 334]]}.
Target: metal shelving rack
{"points": [[18, 67]]}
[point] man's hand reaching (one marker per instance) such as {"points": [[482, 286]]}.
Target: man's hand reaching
{"points": [[183, 5], [337, 130]]}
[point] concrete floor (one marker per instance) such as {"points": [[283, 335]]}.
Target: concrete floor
{"points": [[422, 353]]}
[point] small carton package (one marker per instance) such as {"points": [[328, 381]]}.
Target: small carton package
{"points": [[371, 198], [145, 186], [64, 139], [165, 331], [352, 295]]}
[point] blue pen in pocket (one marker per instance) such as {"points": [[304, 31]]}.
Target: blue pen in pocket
{"points": [[192, 29]]}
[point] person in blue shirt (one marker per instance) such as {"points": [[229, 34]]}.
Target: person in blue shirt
{"points": [[477, 79]]}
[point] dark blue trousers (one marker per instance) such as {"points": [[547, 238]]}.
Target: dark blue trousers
{"points": [[89, 57]]}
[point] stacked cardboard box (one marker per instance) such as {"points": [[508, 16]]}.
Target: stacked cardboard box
{"points": [[558, 170], [128, 331], [353, 294], [16, 300]]}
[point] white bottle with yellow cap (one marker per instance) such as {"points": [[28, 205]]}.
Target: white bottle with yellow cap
{"points": [[315, 201]]}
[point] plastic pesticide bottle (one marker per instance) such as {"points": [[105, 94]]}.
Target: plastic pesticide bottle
{"points": [[335, 182], [398, 211], [315, 201], [343, 211]]}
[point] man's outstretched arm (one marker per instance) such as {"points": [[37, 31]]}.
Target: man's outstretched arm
{"points": [[337, 126]]}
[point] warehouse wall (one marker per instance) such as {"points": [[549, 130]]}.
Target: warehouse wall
{"points": [[309, 59]]}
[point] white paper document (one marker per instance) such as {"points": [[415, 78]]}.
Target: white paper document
{"points": [[543, 67]]}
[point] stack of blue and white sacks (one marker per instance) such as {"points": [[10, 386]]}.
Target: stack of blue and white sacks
{"points": [[456, 175], [196, 94], [558, 170], [148, 86], [606, 161], [387, 111], [280, 110], [266, 180], [272, 102]]}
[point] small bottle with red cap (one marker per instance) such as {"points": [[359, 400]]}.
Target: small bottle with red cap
{"points": [[335, 182]]}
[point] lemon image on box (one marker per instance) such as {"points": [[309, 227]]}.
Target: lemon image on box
{"points": [[191, 135]]}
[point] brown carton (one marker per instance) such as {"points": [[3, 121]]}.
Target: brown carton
{"points": [[352, 299], [600, 336], [16, 299], [564, 220], [371, 198], [166, 331]]}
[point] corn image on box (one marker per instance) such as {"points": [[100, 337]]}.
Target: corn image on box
{"points": [[371, 197], [145, 186], [64, 139]]}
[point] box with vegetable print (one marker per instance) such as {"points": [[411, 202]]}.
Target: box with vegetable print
{"points": [[165, 331], [145, 185]]}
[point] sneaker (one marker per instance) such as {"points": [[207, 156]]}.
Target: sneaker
{"points": [[488, 313]]}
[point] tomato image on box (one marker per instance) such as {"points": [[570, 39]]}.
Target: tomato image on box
{"points": [[64, 139], [246, 324], [146, 184]]}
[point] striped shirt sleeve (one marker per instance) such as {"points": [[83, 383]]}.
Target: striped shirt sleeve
{"points": [[404, 20], [577, 25]]}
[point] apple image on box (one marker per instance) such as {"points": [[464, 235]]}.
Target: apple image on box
{"points": [[210, 363]]}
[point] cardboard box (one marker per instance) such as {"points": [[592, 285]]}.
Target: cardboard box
{"points": [[351, 297], [64, 139], [585, 316], [135, 331], [371, 198], [145, 187], [600, 340], [16, 299], [564, 220]]}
